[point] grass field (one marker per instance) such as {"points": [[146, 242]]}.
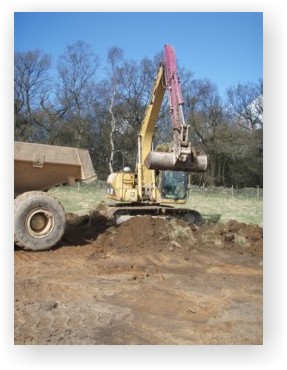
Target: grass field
{"points": [[221, 208], [213, 207]]}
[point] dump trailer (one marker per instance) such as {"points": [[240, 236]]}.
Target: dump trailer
{"points": [[39, 218]]}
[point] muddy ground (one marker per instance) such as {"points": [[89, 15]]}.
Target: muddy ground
{"points": [[146, 281]]}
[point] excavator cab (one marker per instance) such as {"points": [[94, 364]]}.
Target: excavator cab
{"points": [[173, 185]]}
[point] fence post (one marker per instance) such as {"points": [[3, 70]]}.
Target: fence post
{"points": [[257, 193], [232, 191], [78, 185]]}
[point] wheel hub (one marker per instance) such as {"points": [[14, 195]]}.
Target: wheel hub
{"points": [[39, 222]]}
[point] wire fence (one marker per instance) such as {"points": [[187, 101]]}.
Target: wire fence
{"points": [[228, 191]]}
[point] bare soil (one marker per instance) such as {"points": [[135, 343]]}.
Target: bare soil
{"points": [[146, 281]]}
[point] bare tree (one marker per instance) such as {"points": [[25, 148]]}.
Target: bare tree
{"points": [[204, 113], [31, 86], [115, 56], [119, 110], [245, 109], [77, 69], [245, 104]]}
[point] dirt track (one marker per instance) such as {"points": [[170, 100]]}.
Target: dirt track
{"points": [[147, 281]]}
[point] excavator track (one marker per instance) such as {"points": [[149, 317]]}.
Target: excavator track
{"points": [[124, 212]]}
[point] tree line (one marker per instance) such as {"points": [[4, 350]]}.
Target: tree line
{"points": [[75, 103]]}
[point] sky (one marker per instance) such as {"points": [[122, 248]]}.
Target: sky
{"points": [[225, 47]]}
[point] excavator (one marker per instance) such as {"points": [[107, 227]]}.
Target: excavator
{"points": [[160, 181]]}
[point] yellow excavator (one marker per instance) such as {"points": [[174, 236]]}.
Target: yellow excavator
{"points": [[160, 180]]}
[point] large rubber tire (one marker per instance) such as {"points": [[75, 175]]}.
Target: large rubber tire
{"points": [[39, 221]]}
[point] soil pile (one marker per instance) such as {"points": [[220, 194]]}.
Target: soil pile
{"points": [[233, 235], [138, 232], [156, 233]]}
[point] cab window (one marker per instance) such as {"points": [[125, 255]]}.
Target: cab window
{"points": [[174, 185]]}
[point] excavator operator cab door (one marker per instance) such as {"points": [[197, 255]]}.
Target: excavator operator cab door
{"points": [[173, 185]]}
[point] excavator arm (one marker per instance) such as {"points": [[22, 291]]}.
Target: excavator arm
{"points": [[182, 146], [182, 157]]}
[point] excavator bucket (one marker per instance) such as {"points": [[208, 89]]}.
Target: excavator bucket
{"points": [[195, 162]]}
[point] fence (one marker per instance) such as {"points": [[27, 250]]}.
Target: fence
{"points": [[233, 192]]}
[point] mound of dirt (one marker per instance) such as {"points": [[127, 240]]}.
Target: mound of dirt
{"points": [[234, 235], [156, 233], [137, 232]]}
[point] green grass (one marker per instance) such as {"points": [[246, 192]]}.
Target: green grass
{"points": [[213, 207], [221, 208], [79, 200]]}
